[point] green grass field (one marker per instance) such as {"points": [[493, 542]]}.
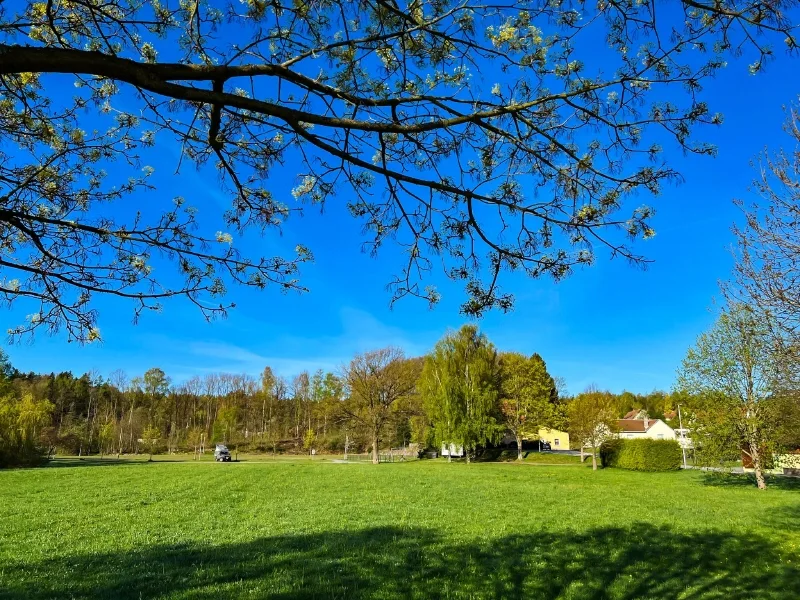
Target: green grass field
{"points": [[305, 529]]}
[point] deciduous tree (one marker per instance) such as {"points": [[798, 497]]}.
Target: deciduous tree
{"points": [[377, 380], [151, 436], [460, 384], [740, 372], [592, 419], [484, 136], [309, 439], [767, 270], [527, 392]]}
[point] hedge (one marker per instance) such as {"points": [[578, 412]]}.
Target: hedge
{"points": [[641, 455]]}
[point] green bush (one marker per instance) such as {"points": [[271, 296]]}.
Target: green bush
{"points": [[641, 455]]}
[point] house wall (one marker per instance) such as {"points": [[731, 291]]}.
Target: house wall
{"points": [[658, 429], [452, 450], [553, 435]]}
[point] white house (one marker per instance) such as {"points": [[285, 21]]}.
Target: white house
{"points": [[654, 429], [452, 450]]}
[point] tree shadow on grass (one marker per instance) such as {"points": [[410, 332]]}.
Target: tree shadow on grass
{"points": [[748, 480], [392, 563], [784, 518]]}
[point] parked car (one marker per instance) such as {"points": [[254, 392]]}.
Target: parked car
{"points": [[536, 445], [222, 454]]}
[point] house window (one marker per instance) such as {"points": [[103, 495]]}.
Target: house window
{"points": [[660, 436], [555, 442]]}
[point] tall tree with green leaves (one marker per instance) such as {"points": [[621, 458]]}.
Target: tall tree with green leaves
{"points": [[437, 122], [155, 384], [460, 385], [740, 372], [527, 391]]}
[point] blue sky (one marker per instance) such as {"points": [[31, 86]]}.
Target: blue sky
{"points": [[612, 325]]}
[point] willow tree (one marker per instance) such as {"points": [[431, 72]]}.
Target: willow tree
{"points": [[481, 138], [460, 386]]}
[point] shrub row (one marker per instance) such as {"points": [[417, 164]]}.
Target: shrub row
{"points": [[641, 455]]}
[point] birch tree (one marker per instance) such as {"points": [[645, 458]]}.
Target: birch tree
{"points": [[740, 371]]}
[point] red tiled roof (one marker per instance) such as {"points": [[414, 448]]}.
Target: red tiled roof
{"points": [[632, 414], [635, 425]]}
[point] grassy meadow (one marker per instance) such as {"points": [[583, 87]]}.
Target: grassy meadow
{"points": [[426, 529]]}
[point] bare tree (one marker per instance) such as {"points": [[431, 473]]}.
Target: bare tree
{"points": [[377, 380], [767, 269], [301, 389]]}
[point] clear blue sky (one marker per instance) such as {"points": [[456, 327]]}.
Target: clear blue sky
{"points": [[612, 324]]}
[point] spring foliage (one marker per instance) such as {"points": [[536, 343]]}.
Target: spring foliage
{"points": [[485, 137], [21, 422], [641, 455], [460, 387]]}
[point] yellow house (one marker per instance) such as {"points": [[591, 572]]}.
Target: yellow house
{"points": [[558, 440]]}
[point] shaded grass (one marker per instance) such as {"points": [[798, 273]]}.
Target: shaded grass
{"points": [[748, 480], [417, 530], [528, 456]]}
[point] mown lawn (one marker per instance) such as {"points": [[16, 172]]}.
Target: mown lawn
{"points": [[305, 529]]}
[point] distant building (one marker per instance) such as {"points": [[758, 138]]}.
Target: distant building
{"points": [[558, 440], [654, 429], [452, 450], [636, 413]]}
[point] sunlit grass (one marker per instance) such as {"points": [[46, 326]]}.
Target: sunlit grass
{"points": [[297, 528]]}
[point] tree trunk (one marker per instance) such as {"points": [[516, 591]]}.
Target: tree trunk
{"points": [[755, 454], [519, 447], [466, 453], [594, 460], [375, 449]]}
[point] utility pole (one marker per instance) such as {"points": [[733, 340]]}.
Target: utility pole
{"points": [[683, 436]]}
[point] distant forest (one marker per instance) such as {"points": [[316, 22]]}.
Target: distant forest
{"points": [[118, 414]]}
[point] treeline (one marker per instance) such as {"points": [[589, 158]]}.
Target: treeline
{"points": [[117, 415], [465, 392]]}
